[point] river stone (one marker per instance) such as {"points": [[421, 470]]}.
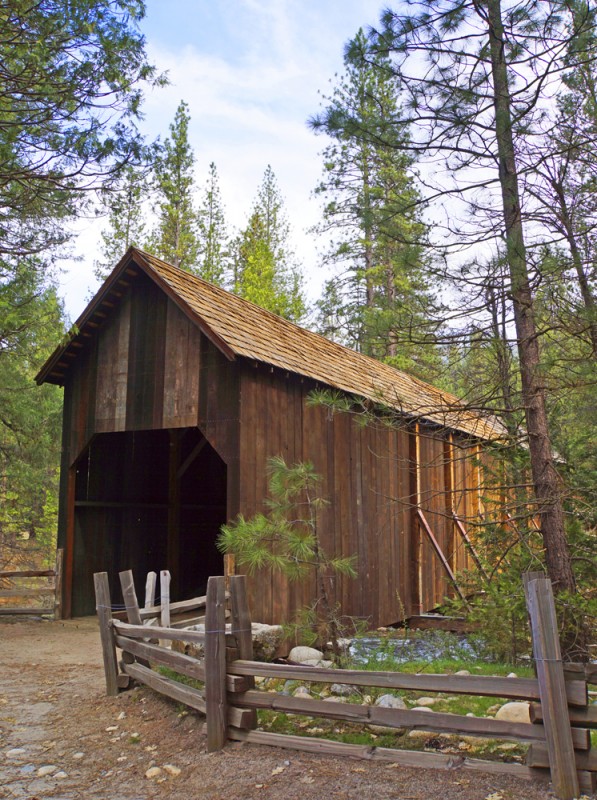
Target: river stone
{"points": [[391, 701], [426, 701], [462, 672], [153, 772], [422, 708], [514, 712], [301, 691], [16, 752], [304, 655], [341, 689], [49, 769]]}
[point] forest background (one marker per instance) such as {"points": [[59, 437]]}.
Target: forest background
{"points": [[456, 232]]}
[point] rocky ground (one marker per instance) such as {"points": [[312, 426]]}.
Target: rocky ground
{"points": [[62, 738]]}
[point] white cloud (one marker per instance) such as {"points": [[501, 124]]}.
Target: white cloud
{"points": [[251, 83]]}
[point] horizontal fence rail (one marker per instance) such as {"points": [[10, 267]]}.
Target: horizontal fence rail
{"points": [[230, 700]]}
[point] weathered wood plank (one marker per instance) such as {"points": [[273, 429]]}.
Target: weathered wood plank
{"points": [[484, 685], [142, 632], [538, 756], [215, 664], [552, 689], [150, 585], [407, 758], [175, 608], [579, 717], [179, 662], [587, 672], [241, 629], [177, 691], [130, 597], [396, 718], [104, 614]]}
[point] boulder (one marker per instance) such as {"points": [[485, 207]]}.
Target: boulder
{"points": [[390, 701], [266, 640], [303, 655], [426, 701], [342, 689], [514, 712]]}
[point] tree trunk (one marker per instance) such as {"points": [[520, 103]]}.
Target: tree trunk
{"points": [[546, 481]]}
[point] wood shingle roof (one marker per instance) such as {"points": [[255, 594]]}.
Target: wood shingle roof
{"points": [[242, 329]]}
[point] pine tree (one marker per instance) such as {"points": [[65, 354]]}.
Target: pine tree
{"points": [[479, 79], [126, 219], [265, 270], [175, 237], [212, 233], [371, 212]]}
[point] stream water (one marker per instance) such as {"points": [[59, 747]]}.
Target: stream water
{"points": [[428, 646]]}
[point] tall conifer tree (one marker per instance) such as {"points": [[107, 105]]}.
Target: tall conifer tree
{"points": [[379, 295], [212, 233], [265, 270], [175, 237]]}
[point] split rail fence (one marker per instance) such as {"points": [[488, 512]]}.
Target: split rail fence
{"points": [[36, 591], [559, 735]]}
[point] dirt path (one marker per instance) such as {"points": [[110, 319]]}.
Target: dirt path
{"points": [[56, 719]]}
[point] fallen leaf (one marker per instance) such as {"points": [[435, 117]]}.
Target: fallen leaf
{"points": [[278, 770]]}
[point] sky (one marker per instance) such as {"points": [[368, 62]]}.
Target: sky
{"points": [[251, 72]]}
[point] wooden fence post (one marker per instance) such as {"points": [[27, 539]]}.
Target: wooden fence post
{"points": [[129, 595], [131, 603], [552, 688], [150, 589], [241, 629], [104, 613], [215, 664], [58, 584], [165, 598]]}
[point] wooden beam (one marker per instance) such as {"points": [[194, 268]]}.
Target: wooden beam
{"points": [[475, 556], [58, 569], [440, 555], [69, 547], [191, 457]]}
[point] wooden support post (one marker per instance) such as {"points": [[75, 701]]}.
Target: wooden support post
{"points": [[552, 688], [215, 664], [69, 545], [58, 584], [104, 613], [414, 478]]}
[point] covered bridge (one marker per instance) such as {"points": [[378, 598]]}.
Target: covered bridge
{"points": [[175, 394]]}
